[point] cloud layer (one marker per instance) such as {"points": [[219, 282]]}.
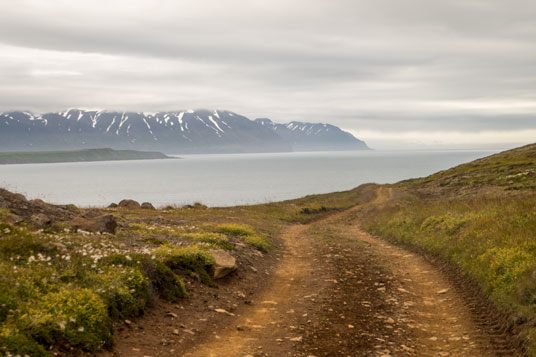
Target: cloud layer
{"points": [[423, 69]]}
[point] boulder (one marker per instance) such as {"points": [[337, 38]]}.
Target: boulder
{"points": [[38, 202], [129, 204], [102, 224], [3, 203], [147, 205], [224, 263], [14, 219], [112, 205], [40, 220], [56, 246]]}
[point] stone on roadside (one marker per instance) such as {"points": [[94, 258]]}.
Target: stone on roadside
{"points": [[102, 224], [224, 263]]}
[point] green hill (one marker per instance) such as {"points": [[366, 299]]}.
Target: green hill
{"points": [[512, 170], [76, 156], [480, 216]]}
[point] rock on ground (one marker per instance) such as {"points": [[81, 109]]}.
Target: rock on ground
{"points": [[147, 205], [40, 220], [129, 204], [102, 224], [224, 263]]}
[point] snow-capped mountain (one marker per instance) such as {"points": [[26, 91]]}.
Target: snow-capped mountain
{"points": [[314, 136], [178, 132]]}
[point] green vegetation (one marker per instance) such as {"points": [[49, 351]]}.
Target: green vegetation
{"points": [[511, 170], [215, 239], [247, 233], [481, 216], [190, 259], [64, 289], [31, 157], [65, 292], [235, 229]]}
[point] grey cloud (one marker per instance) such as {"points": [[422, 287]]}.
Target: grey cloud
{"points": [[398, 65]]}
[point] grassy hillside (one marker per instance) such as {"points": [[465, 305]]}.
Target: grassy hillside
{"points": [[481, 216], [61, 288], [512, 170], [76, 156]]}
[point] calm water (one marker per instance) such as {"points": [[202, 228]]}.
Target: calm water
{"points": [[222, 180]]}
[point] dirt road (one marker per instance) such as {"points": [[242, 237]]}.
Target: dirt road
{"points": [[340, 292]]}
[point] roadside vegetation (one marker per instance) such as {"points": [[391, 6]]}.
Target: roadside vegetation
{"points": [[62, 288], [480, 216]]}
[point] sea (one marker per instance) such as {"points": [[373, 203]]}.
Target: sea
{"points": [[223, 180]]}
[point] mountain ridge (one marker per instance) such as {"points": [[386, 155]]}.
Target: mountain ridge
{"points": [[305, 136], [172, 132]]}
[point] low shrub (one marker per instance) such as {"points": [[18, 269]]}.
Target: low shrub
{"points": [[258, 241], [313, 210], [247, 233], [76, 317], [217, 240], [235, 229], [188, 259], [165, 282]]}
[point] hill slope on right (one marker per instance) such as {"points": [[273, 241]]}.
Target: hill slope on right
{"points": [[480, 217]]}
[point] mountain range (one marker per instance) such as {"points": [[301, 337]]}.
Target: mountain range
{"points": [[176, 132], [314, 136]]}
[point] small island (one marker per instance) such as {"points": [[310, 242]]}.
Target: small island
{"points": [[101, 154]]}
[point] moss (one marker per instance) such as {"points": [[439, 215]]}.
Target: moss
{"points": [[6, 229], [259, 242], [313, 210], [18, 242], [235, 229], [155, 241], [218, 240], [166, 283], [76, 317], [125, 290], [193, 258], [16, 343], [187, 256], [247, 233]]}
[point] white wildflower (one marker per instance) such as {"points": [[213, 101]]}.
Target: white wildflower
{"points": [[62, 324]]}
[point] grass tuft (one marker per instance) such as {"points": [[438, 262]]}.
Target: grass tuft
{"points": [[247, 233]]}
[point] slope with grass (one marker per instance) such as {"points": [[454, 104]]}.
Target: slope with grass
{"points": [[69, 291], [481, 217]]}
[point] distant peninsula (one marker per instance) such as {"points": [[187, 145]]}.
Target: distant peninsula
{"points": [[85, 155]]}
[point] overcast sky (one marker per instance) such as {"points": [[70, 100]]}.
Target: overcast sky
{"points": [[456, 73]]}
